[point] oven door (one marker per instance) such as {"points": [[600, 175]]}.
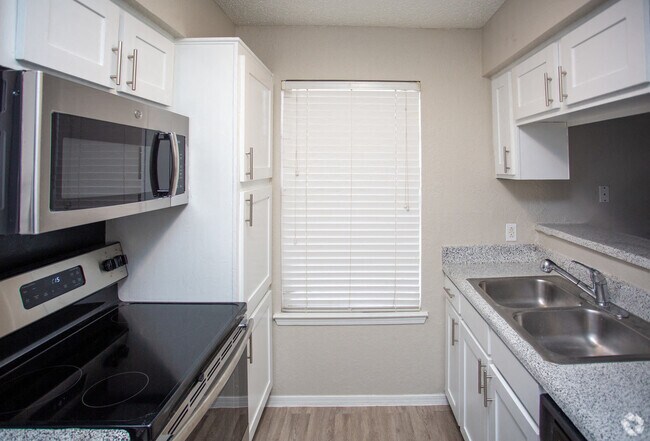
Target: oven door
{"points": [[223, 409]]}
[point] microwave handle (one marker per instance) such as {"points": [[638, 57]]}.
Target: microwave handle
{"points": [[153, 168], [176, 163]]}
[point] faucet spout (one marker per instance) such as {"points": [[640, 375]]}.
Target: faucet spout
{"points": [[599, 291]]}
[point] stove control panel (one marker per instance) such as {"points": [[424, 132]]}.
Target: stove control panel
{"points": [[52, 286]]}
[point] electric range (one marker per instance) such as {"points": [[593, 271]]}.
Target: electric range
{"points": [[91, 361]]}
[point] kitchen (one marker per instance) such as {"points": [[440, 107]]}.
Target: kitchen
{"points": [[358, 359]]}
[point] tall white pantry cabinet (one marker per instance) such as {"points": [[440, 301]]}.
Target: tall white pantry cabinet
{"points": [[218, 247]]}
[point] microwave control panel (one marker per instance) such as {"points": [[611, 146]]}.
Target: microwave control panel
{"points": [[50, 287]]}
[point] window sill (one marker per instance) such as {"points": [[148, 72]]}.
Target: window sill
{"points": [[350, 318]]}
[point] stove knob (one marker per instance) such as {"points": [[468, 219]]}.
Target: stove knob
{"points": [[114, 263]]}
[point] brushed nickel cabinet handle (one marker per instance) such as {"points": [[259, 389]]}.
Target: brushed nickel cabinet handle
{"points": [[250, 349], [134, 70], [561, 74], [485, 391], [454, 340], [449, 293], [118, 73], [480, 371], [249, 200], [547, 80], [506, 167], [251, 160]]}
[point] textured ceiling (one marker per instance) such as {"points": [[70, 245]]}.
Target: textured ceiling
{"points": [[397, 13]]}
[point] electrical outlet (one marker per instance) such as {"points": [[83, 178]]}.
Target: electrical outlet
{"points": [[511, 232], [603, 193]]}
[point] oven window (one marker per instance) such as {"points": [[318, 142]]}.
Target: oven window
{"points": [[97, 163]]}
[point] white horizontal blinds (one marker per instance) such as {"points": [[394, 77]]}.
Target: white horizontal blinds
{"points": [[351, 197]]}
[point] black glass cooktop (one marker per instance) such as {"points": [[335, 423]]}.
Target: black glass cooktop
{"points": [[127, 369]]}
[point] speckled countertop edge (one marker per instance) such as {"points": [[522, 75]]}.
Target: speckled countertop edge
{"points": [[620, 246], [63, 435], [595, 396]]}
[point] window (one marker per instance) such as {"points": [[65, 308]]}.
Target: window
{"points": [[350, 196]]}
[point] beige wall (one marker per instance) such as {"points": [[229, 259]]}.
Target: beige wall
{"points": [[519, 25], [613, 153], [187, 18], [462, 201]]}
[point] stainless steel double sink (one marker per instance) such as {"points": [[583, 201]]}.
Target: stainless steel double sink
{"points": [[562, 325]]}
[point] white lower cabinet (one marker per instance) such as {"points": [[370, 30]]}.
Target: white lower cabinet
{"points": [[260, 363], [488, 406], [452, 365], [508, 420], [474, 407]]}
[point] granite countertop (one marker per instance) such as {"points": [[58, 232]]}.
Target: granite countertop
{"points": [[628, 248], [595, 396], [63, 435]]}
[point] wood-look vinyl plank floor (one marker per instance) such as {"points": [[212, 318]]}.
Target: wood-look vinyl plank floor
{"points": [[409, 423]]}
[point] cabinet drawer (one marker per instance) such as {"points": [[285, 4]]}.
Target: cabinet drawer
{"points": [[517, 377], [453, 294], [476, 324]]}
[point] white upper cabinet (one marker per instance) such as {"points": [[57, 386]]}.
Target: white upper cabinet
{"points": [[75, 37], [256, 134], [534, 80], [147, 61], [255, 243], [537, 151], [503, 126], [603, 60], [95, 41], [606, 54]]}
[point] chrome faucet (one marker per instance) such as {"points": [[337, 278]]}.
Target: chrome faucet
{"points": [[599, 290]]}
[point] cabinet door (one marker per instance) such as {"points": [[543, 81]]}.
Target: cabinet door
{"points": [[255, 244], [147, 63], [260, 363], [452, 365], [534, 80], [256, 114], [508, 419], [75, 37], [607, 53], [502, 126], [473, 360]]}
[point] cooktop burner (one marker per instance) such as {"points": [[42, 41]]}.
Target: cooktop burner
{"points": [[115, 389], [37, 387], [127, 368]]}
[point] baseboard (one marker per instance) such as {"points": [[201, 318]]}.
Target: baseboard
{"points": [[356, 400]]}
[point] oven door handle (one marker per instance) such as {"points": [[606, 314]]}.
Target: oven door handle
{"points": [[199, 412]]}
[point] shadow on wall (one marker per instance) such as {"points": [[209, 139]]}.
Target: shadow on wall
{"points": [[614, 153]]}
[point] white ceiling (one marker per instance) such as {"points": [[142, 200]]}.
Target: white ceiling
{"points": [[397, 13]]}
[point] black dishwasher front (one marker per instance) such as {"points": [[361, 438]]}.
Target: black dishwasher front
{"points": [[554, 425]]}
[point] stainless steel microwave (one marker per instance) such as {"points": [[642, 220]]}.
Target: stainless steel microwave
{"points": [[71, 155]]}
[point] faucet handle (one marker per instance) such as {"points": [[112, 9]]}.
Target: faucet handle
{"points": [[596, 276]]}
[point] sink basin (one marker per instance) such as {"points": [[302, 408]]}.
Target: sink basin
{"points": [[529, 292], [582, 335]]}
